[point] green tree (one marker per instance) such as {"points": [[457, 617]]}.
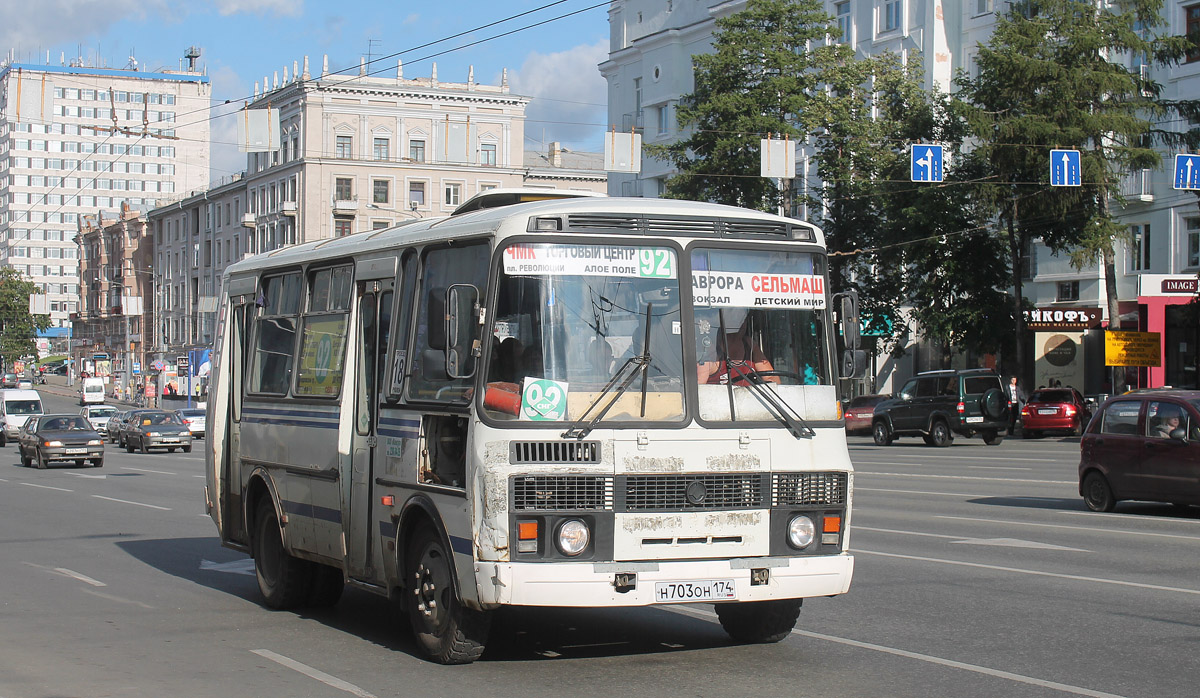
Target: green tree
{"points": [[1056, 74], [18, 327]]}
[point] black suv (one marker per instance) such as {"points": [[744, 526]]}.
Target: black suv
{"points": [[938, 404]]}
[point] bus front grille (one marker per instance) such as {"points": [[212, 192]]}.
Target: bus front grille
{"points": [[803, 489], [694, 492], [562, 493], [546, 452]]}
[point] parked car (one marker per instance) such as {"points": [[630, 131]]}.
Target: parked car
{"points": [[1143, 446], [60, 370], [195, 419], [147, 429], [59, 437], [24, 384], [860, 411], [98, 416], [936, 405], [1054, 409], [115, 423], [9, 380], [16, 406]]}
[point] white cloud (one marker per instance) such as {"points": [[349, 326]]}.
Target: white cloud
{"points": [[569, 96], [292, 8], [26, 27]]}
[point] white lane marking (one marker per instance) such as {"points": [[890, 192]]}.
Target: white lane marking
{"points": [[126, 501], [1140, 534], [312, 673], [975, 668], [939, 494], [3, 480], [970, 477], [966, 458], [146, 470], [236, 567], [198, 476], [1127, 517], [118, 599], [81, 577], [1000, 542], [1037, 573], [46, 487], [87, 476], [965, 465]]}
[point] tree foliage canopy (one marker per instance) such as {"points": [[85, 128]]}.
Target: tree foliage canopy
{"points": [[18, 328]]}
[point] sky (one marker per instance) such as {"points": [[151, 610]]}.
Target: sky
{"points": [[244, 40]]}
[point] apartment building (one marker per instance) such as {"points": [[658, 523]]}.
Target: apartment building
{"points": [[649, 68], [106, 137]]}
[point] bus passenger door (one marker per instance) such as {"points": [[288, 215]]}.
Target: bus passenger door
{"points": [[231, 468], [374, 319]]}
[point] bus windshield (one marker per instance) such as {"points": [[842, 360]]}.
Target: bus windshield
{"points": [[569, 317], [759, 315]]}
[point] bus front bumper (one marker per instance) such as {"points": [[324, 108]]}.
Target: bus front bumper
{"points": [[596, 584]]}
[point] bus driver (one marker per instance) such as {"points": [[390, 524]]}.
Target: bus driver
{"points": [[737, 345]]}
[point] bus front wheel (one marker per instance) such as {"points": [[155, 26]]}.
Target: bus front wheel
{"points": [[758, 622], [282, 579], [446, 631]]}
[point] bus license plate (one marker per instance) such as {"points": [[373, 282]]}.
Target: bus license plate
{"points": [[703, 590], [74, 451]]}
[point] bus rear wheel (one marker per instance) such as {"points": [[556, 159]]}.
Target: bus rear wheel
{"points": [[283, 580], [759, 622], [445, 630]]}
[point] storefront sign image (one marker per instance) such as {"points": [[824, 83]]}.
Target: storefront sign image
{"points": [[1132, 349], [1179, 285], [1062, 318]]}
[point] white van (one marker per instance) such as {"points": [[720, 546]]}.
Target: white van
{"points": [[91, 391], [16, 407]]}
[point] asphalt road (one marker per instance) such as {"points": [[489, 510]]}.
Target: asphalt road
{"points": [[979, 573]]}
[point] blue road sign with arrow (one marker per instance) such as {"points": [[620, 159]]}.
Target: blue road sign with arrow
{"points": [[1064, 168], [926, 163], [1187, 171]]}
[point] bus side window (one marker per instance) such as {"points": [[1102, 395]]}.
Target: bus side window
{"points": [[443, 267], [399, 363], [275, 335]]}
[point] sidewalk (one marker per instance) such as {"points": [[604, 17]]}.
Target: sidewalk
{"points": [[57, 385]]}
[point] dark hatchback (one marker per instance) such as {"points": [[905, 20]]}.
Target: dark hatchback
{"points": [[59, 437], [156, 429], [1142, 446]]}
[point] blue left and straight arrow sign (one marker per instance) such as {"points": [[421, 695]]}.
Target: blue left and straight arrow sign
{"points": [[926, 163], [1064, 168], [1187, 172]]}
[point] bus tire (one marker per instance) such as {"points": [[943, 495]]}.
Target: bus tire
{"points": [[282, 579], [445, 630], [327, 585], [759, 622]]}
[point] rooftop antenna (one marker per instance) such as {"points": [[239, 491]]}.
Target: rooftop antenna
{"points": [[192, 53], [370, 48], [132, 64]]}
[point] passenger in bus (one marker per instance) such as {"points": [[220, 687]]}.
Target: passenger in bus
{"points": [[507, 360]]}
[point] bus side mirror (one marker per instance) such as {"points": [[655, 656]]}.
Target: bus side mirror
{"points": [[849, 319], [462, 301], [854, 363]]}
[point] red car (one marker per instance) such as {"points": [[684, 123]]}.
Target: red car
{"points": [[859, 413], [1054, 409]]}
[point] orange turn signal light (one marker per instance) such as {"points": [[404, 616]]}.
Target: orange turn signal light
{"points": [[831, 524], [387, 500], [527, 530]]}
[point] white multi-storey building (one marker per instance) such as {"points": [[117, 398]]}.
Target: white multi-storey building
{"points": [[108, 137], [649, 68]]}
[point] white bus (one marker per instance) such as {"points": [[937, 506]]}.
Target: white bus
{"points": [[590, 402]]}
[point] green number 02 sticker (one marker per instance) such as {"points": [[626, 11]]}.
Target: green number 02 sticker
{"points": [[543, 400]]}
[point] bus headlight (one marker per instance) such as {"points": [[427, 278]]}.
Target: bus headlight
{"points": [[801, 531], [573, 537]]}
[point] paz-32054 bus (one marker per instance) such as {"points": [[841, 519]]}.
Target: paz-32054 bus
{"points": [[591, 402]]}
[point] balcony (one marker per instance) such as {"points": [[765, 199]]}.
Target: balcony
{"points": [[288, 208], [249, 220], [1137, 187], [343, 207]]}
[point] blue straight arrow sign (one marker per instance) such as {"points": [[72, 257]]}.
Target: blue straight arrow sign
{"points": [[926, 163], [1187, 171], [1064, 168]]}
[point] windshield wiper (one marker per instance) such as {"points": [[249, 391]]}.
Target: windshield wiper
{"points": [[775, 404], [624, 376]]}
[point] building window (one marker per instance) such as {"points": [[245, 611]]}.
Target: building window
{"points": [[416, 193], [983, 6], [453, 194], [416, 150], [664, 118], [1028, 261], [380, 191], [378, 225], [487, 154], [381, 149], [842, 10], [1192, 226], [345, 147], [637, 96], [343, 189], [1191, 30], [342, 227], [1139, 248], [1068, 291], [891, 14]]}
